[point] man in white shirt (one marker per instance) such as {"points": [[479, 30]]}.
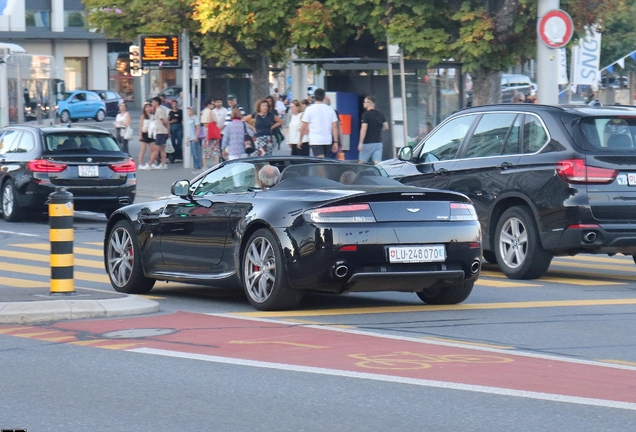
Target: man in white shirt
{"points": [[220, 112], [279, 105], [160, 118], [321, 124], [231, 101]]}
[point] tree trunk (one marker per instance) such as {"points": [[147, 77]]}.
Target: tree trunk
{"points": [[486, 86], [260, 78]]}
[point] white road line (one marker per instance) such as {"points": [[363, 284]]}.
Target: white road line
{"points": [[19, 233], [393, 379], [508, 352]]}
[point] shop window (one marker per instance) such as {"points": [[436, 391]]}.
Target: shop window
{"points": [[74, 19], [38, 19]]}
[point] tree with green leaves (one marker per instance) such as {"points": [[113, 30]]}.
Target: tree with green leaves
{"points": [[252, 33], [487, 36]]}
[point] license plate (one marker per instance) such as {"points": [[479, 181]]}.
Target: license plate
{"points": [[417, 254], [631, 179], [88, 171]]}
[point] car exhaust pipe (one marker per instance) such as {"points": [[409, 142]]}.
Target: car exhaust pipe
{"points": [[341, 271], [124, 201], [474, 268], [589, 237]]}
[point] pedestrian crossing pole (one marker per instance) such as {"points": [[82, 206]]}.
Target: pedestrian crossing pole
{"points": [[61, 238]]}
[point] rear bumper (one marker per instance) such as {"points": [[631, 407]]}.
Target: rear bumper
{"points": [[315, 262], [603, 238], [84, 198]]}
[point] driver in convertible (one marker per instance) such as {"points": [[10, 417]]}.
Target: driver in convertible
{"points": [[268, 176]]}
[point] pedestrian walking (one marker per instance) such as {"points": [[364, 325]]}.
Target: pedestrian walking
{"points": [[373, 123], [321, 124], [145, 140], [175, 118], [160, 121], [193, 126], [233, 143], [299, 143], [210, 148], [266, 123], [122, 124]]}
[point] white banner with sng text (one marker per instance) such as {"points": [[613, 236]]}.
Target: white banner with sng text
{"points": [[586, 58]]}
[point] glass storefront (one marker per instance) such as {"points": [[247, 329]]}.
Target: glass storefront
{"points": [[75, 74], [30, 88]]}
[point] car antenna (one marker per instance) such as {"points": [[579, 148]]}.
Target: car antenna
{"points": [[68, 125], [595, 104]]}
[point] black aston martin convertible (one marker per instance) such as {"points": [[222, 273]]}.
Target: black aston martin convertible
{"points": [[324, 226]]}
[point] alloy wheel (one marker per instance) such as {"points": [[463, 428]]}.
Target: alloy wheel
{"points": [[513, 242], [101, 115], [65, 117], [7, 200], [121, 256], [260, 269]]}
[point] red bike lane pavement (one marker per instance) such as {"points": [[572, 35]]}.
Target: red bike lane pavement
{"points": [[347, 352]]}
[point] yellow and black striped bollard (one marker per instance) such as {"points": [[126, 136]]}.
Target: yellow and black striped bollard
{"points": [[61, 238]]}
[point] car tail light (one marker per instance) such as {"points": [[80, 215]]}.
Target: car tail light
{"points": [[350, 213], [578, 172], [126, 167], [41, 165], [462, 212]]}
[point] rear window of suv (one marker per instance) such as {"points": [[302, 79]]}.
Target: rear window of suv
{"points": [[609, 133], [81, 143]]}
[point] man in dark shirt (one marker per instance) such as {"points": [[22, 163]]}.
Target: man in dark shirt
{"points": [[373, 123]]}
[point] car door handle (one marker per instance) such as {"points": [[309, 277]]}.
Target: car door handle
{"points": [[441, 171], [505, 165]]}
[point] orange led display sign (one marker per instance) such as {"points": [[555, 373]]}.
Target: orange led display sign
{"points": [[159, 51]]}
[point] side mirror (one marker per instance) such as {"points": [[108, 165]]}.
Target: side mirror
{"points": [[181, 188], [406, 154]]}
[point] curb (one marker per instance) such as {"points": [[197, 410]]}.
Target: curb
{"points": [[56, 310]]}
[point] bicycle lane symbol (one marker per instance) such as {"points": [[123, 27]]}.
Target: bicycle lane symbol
{"points": [[405, 360]]}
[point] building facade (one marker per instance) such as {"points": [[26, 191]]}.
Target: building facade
{"points": [[57, 28]]}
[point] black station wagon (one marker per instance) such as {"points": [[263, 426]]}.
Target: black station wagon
{"points": [[545, 180]]}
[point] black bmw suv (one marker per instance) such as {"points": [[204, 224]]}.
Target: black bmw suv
{"points": [[545, 180], [87, 161]]}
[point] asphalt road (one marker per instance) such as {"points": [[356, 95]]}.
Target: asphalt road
{"points": [[557, 353], [85, 376]]}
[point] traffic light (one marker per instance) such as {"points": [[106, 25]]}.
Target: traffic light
{"points": [[135, 61]]}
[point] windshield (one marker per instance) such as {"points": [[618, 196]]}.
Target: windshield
{"points": [[84, 142], [609, 133], [64, 96]]}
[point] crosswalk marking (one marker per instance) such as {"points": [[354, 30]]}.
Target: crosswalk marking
{"points": [[79, 262], [40, 271], [22, 283], [78, 250]]}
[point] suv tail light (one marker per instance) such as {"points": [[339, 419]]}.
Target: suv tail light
{"points": [[126, 167], [341, 214], [576, 171], [41, 165]]}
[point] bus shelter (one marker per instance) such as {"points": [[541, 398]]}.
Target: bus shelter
{"points": [[27, 87]]}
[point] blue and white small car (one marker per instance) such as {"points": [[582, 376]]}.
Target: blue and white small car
{"points": [[80, 104]]}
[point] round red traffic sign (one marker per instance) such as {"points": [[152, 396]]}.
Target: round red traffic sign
{"points": [[556, 28]]}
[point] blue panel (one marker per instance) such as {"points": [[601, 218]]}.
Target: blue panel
{"points": [[347, 103]]}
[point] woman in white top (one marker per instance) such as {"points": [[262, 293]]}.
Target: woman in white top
{"points": [[299, 145], [122, 123], [145, 138]]}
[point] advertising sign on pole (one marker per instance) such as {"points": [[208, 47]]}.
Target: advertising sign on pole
{"points": [[563, 69], [586, 58], [196, 67]]}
